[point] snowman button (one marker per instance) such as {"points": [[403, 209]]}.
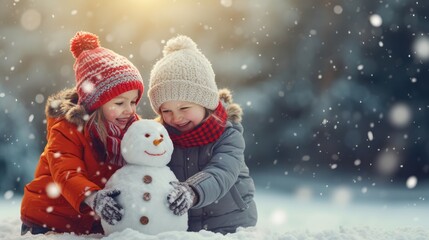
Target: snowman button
{"points": [[146, 196], [144, 220], [147, 179]]}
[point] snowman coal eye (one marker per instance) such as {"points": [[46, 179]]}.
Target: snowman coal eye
{"points": [[147, 135], [162, 136]]}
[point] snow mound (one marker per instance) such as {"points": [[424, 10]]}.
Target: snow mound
{"points": [[9, 230]]}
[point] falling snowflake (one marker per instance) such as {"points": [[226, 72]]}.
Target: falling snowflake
{"points": [[370, 136], [387, 163], [55, 104], [357, 162], [87, 87], [226, 3], [8, 195], [278, 217], [39, 98], [53, 190], [375, 20], [49, 209], [400, 115], [31, 19], [342, 196], [421, 48], [338, 9], [411, 182]]}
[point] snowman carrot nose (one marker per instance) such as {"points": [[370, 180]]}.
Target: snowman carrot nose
{"points": [[157, 141]]}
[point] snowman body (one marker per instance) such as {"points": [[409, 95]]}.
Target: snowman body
{"points": [[145, 182]]}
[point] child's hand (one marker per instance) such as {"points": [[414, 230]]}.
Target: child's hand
{"points": [[181, 198], [107, 207]]}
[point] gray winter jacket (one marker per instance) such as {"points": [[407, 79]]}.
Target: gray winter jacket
{"points": [[219, 175]]}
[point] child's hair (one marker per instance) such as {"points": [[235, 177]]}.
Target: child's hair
{"points": [[97, 118]]}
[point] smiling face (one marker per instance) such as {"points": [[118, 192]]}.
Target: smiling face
{"points": [[183, 116], [146, 142], [120, 109]]}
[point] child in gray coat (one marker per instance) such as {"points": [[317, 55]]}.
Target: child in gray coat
{"points": [[215, 187]]}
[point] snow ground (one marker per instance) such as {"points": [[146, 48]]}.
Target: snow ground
{"points": [[281, 217]]}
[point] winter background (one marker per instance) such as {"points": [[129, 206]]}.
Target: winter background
{"points": [[334, 94]]}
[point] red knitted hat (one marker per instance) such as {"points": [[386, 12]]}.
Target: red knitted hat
{"points": [[101, 74]]}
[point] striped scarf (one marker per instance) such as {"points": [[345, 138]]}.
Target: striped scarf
{"points": [[207, 132], [112, 149]]}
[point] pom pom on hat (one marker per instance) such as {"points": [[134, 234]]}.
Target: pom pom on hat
{"points": [[83, 41], [101, 74], [179, 43]]}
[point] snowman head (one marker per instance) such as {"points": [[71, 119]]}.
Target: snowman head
{"points": [[147, 143]]}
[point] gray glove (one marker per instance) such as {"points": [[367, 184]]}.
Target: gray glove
{"points": [[106, 206], [181, 198]]}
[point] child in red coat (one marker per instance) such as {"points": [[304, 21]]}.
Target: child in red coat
{"points": [[85, 126]]}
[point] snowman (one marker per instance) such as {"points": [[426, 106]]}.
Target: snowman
{"points": [[144, 181]]}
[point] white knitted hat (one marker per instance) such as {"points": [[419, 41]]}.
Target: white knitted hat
{"points": [[183, 74]]}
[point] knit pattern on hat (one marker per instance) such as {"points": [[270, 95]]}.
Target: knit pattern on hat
{"points": [[183, 74], [101, 74]]}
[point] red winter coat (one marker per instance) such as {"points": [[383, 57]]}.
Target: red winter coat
{"points": [[70, 161]]}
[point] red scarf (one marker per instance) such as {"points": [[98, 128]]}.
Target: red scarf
{"points": [[207, 132], [112, 150]]}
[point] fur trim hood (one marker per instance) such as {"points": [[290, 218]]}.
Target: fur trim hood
{"points": [[64, 104], [233, 110]]}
